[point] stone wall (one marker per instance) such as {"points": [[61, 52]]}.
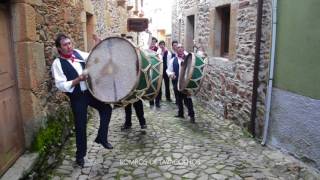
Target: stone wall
{"points": [[227, 86], [265, 57], [111, 18], [35, 25]]}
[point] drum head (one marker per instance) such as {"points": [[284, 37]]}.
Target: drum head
{"points": [[112, 69], [185, 71]]}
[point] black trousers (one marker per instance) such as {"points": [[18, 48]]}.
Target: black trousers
{"points": [[138, 107], [79, 105], [166, 85], [174, 91], [181, 99], [157, 99]]}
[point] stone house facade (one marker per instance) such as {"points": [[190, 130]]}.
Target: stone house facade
{"points": [[228, 84], [28, 29], [276, 97]]}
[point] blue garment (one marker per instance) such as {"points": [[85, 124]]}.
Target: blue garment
{"points": [[79, 103], [70, 72], [175, 65], [165, 61]]}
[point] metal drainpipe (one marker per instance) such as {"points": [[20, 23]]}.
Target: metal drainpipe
{"points": [[271, 70], [256, 69]]}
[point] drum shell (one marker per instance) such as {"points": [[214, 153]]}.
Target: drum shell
{"points": [[142, 85], [155, 76]]}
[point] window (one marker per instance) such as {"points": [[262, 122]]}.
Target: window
{"points": [[89, 32], [222, 33], [190, 33]]}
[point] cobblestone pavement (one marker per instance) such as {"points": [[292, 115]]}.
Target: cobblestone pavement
{"points": [[173, 148]]}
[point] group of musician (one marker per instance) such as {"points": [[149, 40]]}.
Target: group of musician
{"points": [[171, 65], [67, 71]]}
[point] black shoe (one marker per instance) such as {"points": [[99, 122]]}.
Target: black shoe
{"points": [[179, 116], [80, 162], [158, 106], [169, 100], [192, 120], [104, 144], [125, 127], [144, 126]]}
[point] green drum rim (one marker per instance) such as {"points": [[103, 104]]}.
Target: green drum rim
{"points": [[144, 79], [198, 81], [181, 87]]}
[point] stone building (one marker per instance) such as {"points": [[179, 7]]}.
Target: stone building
{"points": [[226, 30], [27, 32], [243, 45]]}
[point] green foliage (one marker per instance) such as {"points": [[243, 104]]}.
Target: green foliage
{"points": [[246, 133], [53, 133], [49, 141]]}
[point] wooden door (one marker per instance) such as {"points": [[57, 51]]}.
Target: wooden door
{"points": [[11, 133]]}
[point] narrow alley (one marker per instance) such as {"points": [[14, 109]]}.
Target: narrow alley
{"points": [[173, 148], [247, 71]]}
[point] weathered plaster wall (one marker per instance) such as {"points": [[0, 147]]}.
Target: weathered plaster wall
{"points": [[294, 125]]}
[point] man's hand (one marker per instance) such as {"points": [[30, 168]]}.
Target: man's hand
{"points": [[78, 79], [172, 76], [96, 39], [83, 77]]}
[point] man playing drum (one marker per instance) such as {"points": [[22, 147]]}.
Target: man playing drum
{"points": [[174, 45], [173, 72], [138, 107], [153, 47], [67, 72], [166, 56]]}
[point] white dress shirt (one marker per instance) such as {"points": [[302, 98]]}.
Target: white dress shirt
{"points": [[169, 70], [161, 54], [59, 77]]}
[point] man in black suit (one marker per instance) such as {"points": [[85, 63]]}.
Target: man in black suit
{"points": [[173, 73], [67, 71]]}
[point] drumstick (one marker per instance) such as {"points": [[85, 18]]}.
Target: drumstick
{"points": [[85, 71], [88, 69]]}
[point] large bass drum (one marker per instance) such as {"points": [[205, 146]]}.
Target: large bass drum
{"points": [[117, 71], [190, 74], [155, 75]]}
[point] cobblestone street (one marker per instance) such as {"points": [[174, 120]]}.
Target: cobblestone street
{"points": [[173, 148]]}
